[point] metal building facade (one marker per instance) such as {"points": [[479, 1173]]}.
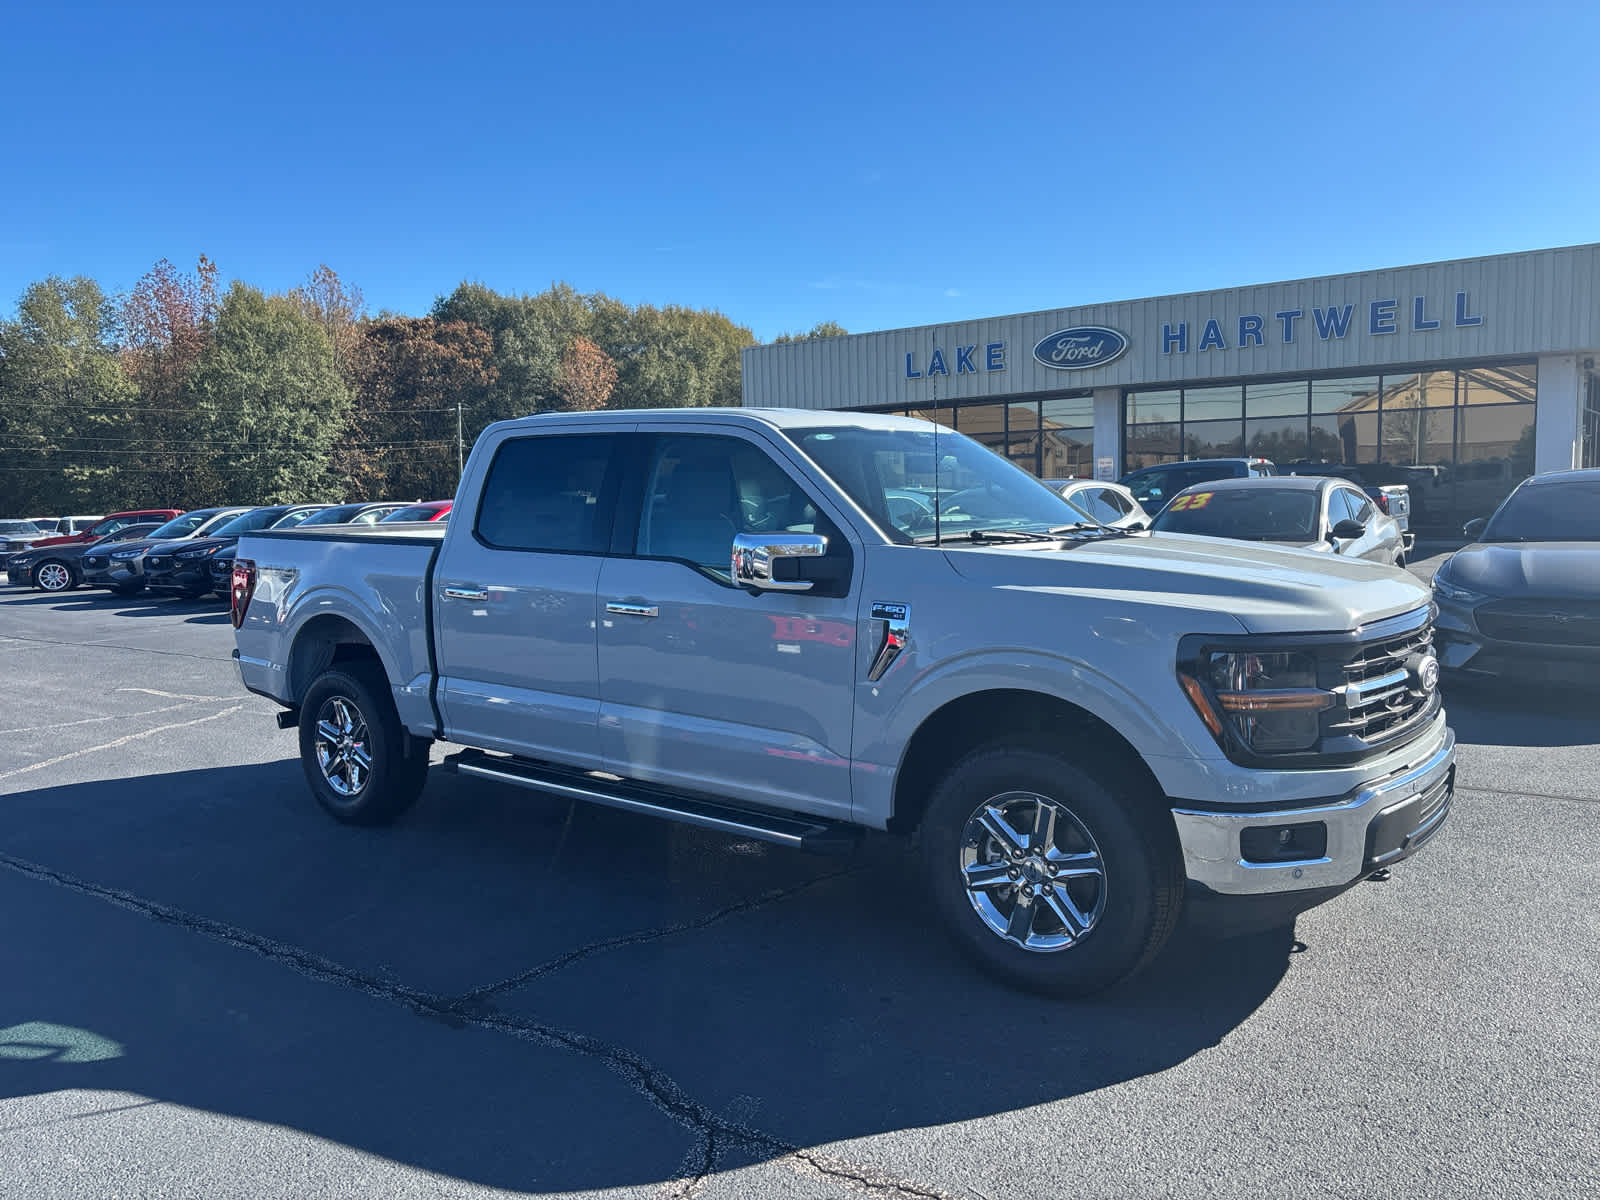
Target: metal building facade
{"points": [[1536, 314]]}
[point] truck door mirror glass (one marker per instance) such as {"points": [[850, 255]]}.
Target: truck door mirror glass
{"points": [[771, 562]]}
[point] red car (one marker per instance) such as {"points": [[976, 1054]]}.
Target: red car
{"points": [[427, 510], [106, 526]]}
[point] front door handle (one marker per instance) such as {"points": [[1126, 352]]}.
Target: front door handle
{"points": [[466, 593], [633, 610]]}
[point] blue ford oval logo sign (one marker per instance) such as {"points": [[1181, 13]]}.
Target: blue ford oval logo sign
{"points": [[1081, 346]]}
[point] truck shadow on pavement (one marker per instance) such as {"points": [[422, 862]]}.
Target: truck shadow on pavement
{"points": [[473, 991]]}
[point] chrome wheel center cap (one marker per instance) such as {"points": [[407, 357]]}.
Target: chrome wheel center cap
{"points": [[1033, 870]]}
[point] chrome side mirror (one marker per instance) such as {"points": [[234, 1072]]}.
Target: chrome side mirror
{"points": [[756, 555]]}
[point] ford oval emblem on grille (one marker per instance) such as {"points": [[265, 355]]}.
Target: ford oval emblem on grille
{"points": [[1080, 347], [1425, 669]]}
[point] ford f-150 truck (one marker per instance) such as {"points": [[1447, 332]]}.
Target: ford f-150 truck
{"points": [[718, 616]]}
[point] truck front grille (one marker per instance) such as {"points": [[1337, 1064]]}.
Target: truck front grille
{"points": [[1383, 695]]}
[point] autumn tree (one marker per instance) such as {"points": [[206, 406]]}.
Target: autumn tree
{"points": [[587, 376], [410, 374], [165, 325], [337, 306]]}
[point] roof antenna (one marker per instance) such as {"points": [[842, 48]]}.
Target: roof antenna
{"points": [[938, 499]]}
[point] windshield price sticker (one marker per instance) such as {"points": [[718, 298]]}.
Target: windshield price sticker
{"points": [[1198, 500]]}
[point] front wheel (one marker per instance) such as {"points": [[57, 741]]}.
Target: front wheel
{"points": [[1059, 878], [52, 575], [362, 765]]}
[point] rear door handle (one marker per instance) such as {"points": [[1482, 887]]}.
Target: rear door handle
{"points": [[633, 610], [466, 593]]}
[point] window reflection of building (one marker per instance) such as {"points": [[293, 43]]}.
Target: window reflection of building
{"points": [[1459, 438]]}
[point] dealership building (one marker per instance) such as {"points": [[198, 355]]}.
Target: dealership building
{"points": [[1459, 378]]}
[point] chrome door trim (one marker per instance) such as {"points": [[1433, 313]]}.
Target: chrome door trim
{"points": [[465, 593], [633, 610]]}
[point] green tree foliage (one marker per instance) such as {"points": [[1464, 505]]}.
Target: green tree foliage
{"points": [[174, 396], [64, 403], [268, 404], [822, 329]]}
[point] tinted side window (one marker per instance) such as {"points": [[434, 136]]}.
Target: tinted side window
{"points": [[549, 493], [701, 490], [1360, 506]]}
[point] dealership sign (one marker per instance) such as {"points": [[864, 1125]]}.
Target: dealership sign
{"points": [[1334, 323], [1080, 347]]}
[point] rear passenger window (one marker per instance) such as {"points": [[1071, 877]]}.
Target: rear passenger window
{"points": [[549, 493]]}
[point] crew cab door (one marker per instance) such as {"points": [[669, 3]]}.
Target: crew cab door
{"points": [[514, 597], [705, 686]]}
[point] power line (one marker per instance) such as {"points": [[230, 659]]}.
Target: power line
{"points": [[185, 448]]}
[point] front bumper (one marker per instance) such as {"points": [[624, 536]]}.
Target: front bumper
{"points": [[181, 577], [1464, 648], [1374, 826]]}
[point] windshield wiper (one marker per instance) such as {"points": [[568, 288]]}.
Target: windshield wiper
{"points": [[986, 535], [1079, 527]]}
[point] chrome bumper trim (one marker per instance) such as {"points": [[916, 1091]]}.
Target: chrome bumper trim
{"points": [[1210, 840]]}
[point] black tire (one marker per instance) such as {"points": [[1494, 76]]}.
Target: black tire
{"points": [[54, 581], [398, 768], [1134, 905]]}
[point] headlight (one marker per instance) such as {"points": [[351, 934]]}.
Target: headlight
{"points": [[124, 555], [1454, 592], [205, 553], [1268, 698]]}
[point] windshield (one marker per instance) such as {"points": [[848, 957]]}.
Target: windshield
{"points": [[183, 526], [1152, 489], [892, 475], [1549, 512], [298, 517], [412, 512], [248, 522], [337, 515], [1254, 514], [24, 528]]}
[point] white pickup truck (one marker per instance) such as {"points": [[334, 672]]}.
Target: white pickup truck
{"points": [[798, 626]]}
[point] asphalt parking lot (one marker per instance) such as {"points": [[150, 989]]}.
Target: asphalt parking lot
{"points": [[209, 989]]}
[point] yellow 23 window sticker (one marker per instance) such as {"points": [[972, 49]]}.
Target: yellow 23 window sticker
{"points": [[1197, 500]]}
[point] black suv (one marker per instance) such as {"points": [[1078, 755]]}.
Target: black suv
{"points": [[1154, 486]]}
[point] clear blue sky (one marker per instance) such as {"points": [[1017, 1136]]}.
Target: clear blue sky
{"points": [[875, 164]]}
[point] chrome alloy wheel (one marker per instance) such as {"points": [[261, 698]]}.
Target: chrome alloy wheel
{"points": [[53, 577], [1032, 871], [341, 744]]}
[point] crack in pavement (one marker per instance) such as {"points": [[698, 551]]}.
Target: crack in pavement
{"points": [[114, 646], [95, 720], [712, 1133], [1528, 795], [646, 935]]}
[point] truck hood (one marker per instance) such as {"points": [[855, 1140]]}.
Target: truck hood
{"points": [[1268, 589], [1565, 569]]}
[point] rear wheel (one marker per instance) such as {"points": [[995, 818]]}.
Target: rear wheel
{"points": [[53, 575], [362, 765], [1059, 877]]}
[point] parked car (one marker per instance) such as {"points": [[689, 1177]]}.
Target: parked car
{"points": [[1523, 598], [1153, 487], [59, 568], [1105, 503], [122, 569], [72, 526], [45, 524], [363, 513], [1386, 486], [1312, 512], [431, 510], [221, 563], [17, 536], [186, 568], [108, 525], [1077, 723]]}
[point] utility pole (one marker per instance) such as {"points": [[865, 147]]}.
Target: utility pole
{"points": [[460, 445]]}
